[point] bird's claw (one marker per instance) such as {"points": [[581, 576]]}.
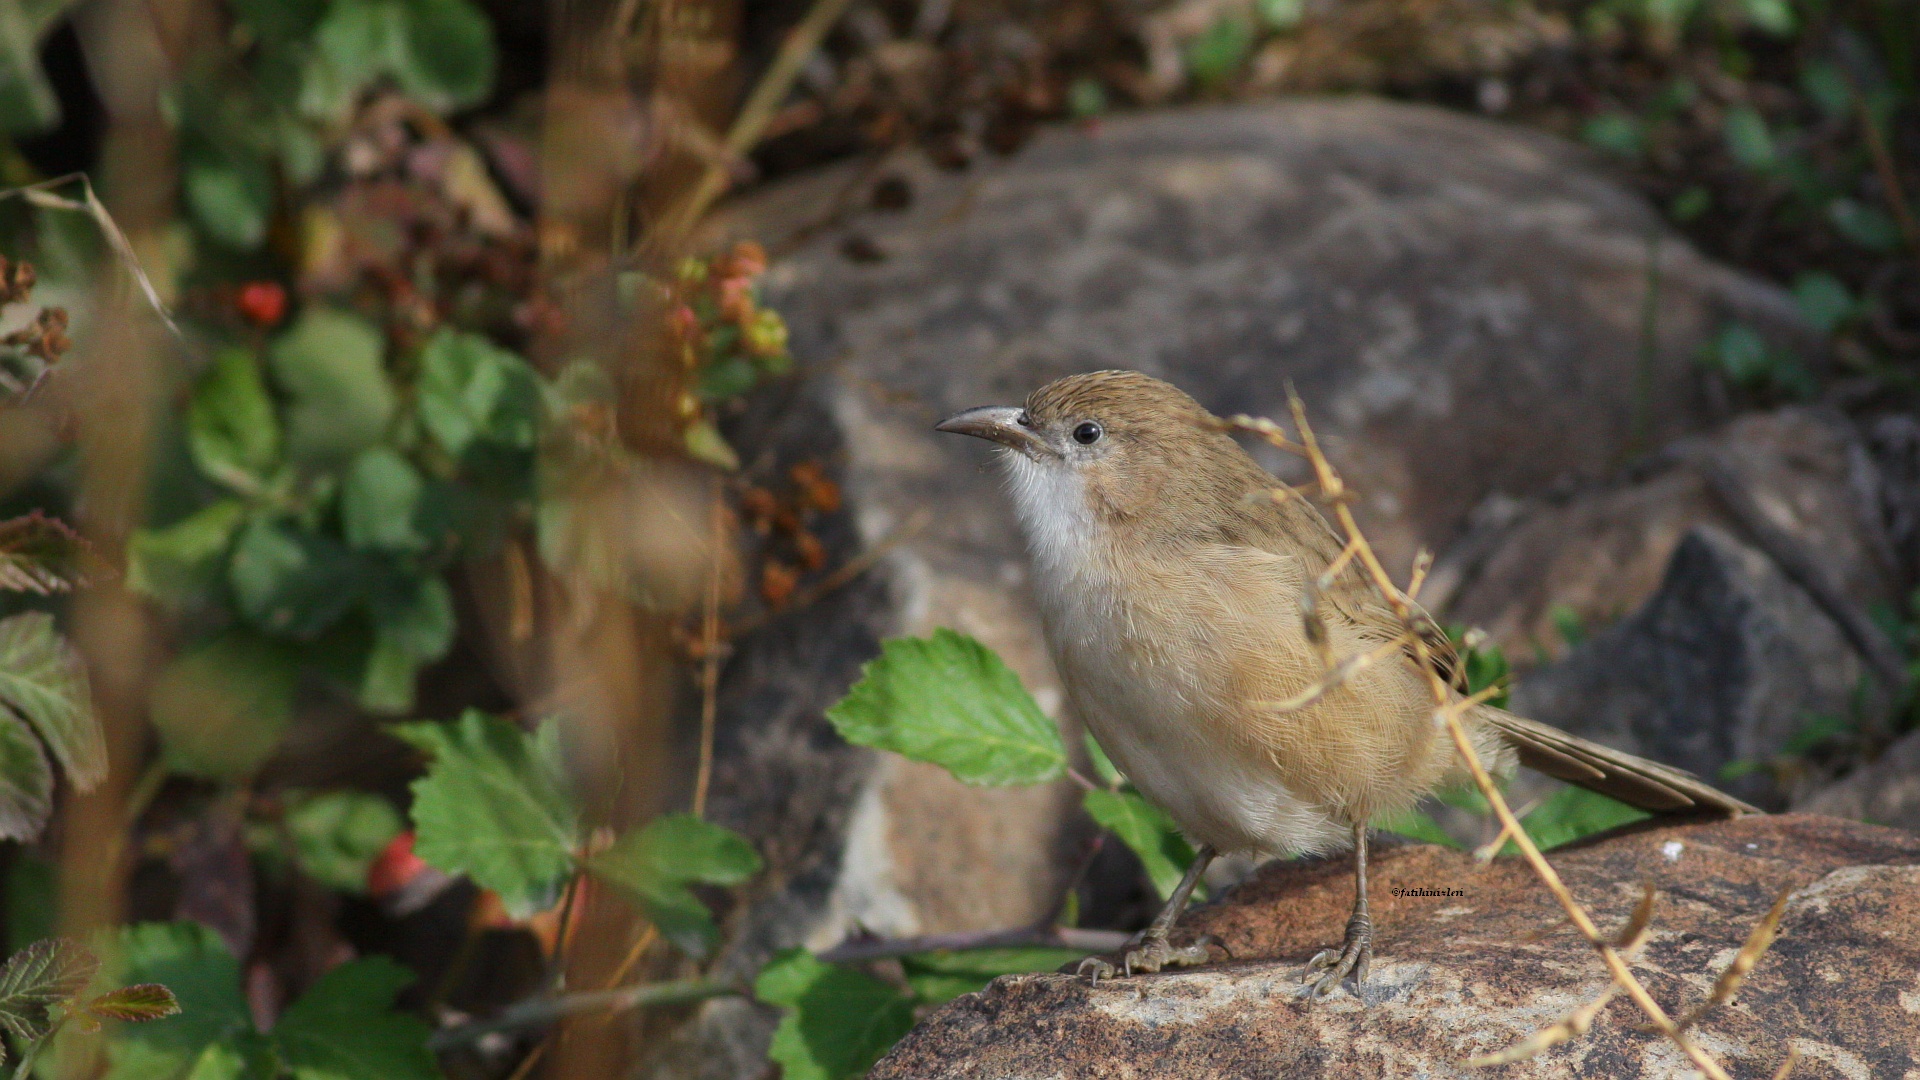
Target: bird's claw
{"points": [[1355, 957], [1154, 954]]}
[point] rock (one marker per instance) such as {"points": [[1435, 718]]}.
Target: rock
{"points": [[1600, 552], [1885, 792], [1460, 975], [1726, 663]]}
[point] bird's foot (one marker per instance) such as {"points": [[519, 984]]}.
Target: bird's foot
{"points": [[1154, 953], [1333, 965]]}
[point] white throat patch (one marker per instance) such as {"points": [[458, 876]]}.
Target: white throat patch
{"points": [[1051, 502]]}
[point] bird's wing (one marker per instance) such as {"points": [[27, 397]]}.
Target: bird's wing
{"points": [[1635, 781]]}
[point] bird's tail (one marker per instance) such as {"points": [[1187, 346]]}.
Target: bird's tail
{"points": [[1635, 781]]}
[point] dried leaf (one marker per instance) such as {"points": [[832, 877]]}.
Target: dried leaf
{"points": [[39, 554], [1750, 953], [1571, 1026], [135, 1004], [1634, 934]]}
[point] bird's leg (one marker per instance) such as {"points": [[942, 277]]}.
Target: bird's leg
{"points": [[1357, 954], [1155, 952]]}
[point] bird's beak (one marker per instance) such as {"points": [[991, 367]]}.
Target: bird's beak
{"points": [[996, 423]]}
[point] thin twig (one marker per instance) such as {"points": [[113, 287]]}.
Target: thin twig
{"points": [[759, 108], [839, 579], [710, 661], [41, 195], [1063, 937], [1757, 943], [1883, 164], [541, 1011]]}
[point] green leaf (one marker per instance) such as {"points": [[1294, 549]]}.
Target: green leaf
{"points": [[1773, 16], [230, 201], [1147, 830], [414, 624], [345, 1028], [1103, 766], [43, 680], [337, 835], [32, 893], [27, 101], [657, 863], [472, 390], [1742, 355], [494, 806], [26, 781], [38, 979], [231, 426], [1215, 54], [939, 977], [1824, 300], [1690, 204], [446, 54], [1867, 226], [179, 564], [190, 960], [1571, 813], [1616, 133], [222, 709], [352, 46], [838, 1022], [1281, 15], [136, 1004], [705, 443], [1417, 825], [1748, 139], [329, 363], [290, 581], [1824, 82], [380, 503], [950, 701]]}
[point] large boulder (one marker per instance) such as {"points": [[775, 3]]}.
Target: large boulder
{"points": [[1461, 304], [1470, 959]]}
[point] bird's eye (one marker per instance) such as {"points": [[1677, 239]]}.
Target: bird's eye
{"points": [[1087, 434], [1023, 419]]}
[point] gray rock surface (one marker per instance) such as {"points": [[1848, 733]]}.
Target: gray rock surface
{"points": [[1884, 792], [1725, 663], [1460, 304], [1602, 551], [1455, 976]]}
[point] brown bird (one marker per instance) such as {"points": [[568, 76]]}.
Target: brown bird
{"points": [[1171, 584]]}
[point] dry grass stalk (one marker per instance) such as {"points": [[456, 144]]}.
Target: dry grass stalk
{"points": [[1786, 1067], [1447, 713], [1633, 936], [1758, 941], [1571, 1026]]}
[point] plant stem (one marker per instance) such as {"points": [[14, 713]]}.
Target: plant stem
{"points": [[540, 1011], [1063, 937]]}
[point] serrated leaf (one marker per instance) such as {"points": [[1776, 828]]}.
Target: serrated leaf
{"points": [[1148, 831], [204, 1038], [329, 363], [838, 1022], [380, 503], [494, 806], [43, 680], [39, 978], [290, 581], [446, 54], [656, 863], [182, 562], [345, 1027], [949, 700], [26, 781], [939, 977], [472, 390], [222, 708], [230, 201], [338, 834], [231, 427], [40, 554], [136, 1004]]}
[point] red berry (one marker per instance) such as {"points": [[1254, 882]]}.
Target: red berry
{"points": [[263, 303], [394, 867]]}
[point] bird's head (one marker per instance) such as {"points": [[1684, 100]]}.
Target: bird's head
{"points": [[1114, 447]]}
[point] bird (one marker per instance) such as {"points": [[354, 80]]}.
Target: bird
{"points": [[1178, 585]]}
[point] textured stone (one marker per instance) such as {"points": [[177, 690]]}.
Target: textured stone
{"points": [[1600, 552], [1456, 976], [1884, 792], [1725, 663]]}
